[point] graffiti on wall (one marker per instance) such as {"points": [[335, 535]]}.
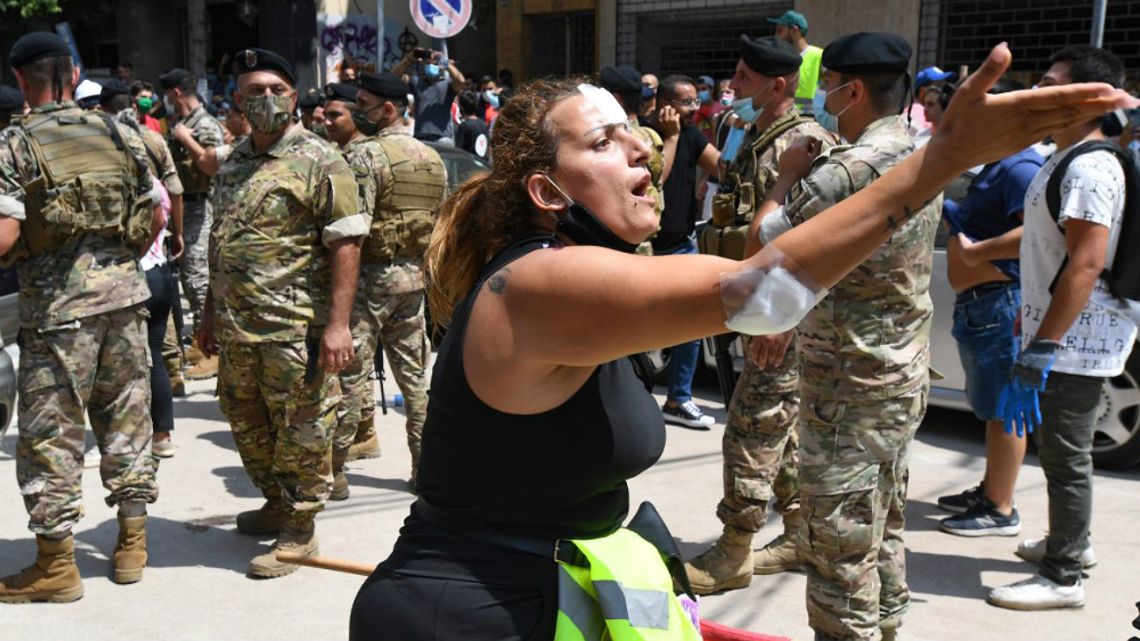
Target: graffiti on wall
{"points": [[352, 40]]}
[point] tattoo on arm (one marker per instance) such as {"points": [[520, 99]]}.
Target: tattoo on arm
{"points": [[497, 283], [893, 224]]}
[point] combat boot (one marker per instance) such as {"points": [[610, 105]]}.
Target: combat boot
{"points": [[367, 443], [297, 536], [780, 554], [264, 521], [177, 386], [340, 489], [130, 553], [193, 354], [727, 565], [53, 578], [203, 369]]}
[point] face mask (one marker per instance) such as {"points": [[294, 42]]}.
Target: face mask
{"points": [[268, 114], [822, 115], [704, 95], [363, 124], [491, 98], [745, 111], [647, 94], [144, 103], [432, 71], [580, 225], [727, 98], [169, 104], [732, 144]]}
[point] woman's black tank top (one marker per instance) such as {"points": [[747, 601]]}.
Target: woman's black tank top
{"points": [[557, 474]]}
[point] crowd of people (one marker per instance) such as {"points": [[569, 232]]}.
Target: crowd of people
{"points": [[309, 229]]}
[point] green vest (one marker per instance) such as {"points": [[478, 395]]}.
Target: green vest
{"points": [[407, 203], [86, 184], [624, 594]]}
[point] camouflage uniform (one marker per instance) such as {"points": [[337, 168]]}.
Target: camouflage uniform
{"points": [[197, 217], [759, 442], [389, 304], [269, 284], [864, 357], [83, 343], [656, 166]]}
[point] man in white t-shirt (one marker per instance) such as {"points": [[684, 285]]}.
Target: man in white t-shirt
{"points": [[1071, 321]]}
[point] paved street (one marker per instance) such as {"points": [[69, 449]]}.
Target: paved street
{"points": [[196, 588]]}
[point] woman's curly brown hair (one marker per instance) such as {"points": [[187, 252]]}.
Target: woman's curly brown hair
{"points": [[485, 213]]}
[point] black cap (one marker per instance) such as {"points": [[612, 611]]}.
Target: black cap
{"points": [[622, 78], [173, 77], [111, 88], [37, 46], [341, 91], [311, 99], [769, 56], [383, 85], [867, 53], [263, 60], [10, 99]]}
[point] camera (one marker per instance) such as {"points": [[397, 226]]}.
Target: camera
{"points": [[423, 54], [1120, 121]]}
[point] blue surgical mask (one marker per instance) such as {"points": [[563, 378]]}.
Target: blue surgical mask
{"points": [[726, 99], [491, 98], [825, 118], [704, 96], [732, 144], [647, 93], [745, 111], [432, 71]]}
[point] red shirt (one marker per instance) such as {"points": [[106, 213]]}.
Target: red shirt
{"points": [[152, 124]]}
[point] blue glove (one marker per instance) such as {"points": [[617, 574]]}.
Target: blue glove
{"points": [[1018, 402]]}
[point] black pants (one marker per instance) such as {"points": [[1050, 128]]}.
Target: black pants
{"points": [[441, 586], [159, 304]]}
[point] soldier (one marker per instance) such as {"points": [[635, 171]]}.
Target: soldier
{"points": [[864, 349], [192, 123], [402, 184], [312, 106], [11, 105], [624, 82], [83, 343], [284, 251], [759, 442], [115, 100]]}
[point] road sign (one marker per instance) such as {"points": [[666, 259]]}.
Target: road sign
{"points": [[441, 18]]}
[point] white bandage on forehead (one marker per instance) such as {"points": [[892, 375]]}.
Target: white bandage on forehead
{"points": [[604, 102], [768, 300]]}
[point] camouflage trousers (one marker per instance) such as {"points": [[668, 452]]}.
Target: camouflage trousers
{"points": [[99, 365], [171, 351], [854, 459], [760, 444], [193, 266], [281, 424], [396, 321]]}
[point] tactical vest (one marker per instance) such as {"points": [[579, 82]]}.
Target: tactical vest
{"points": [[736, 202], [87, 185], [622, 592], [407, 205]]}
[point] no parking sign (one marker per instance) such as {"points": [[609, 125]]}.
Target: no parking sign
{"points": [[441, 18]]}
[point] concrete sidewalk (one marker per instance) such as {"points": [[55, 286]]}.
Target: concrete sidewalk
{"points": [[196, 588]]}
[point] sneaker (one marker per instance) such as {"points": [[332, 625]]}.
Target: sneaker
{"points": [[687, 414], [983, 520], [1038, 593], [964, 502], [163, 448], [1033, 550], [93, 458]]}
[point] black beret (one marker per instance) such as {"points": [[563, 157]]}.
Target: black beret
{"points": [[383, 85], [11, 99], [621, 78], [769, 56], [867, 53], [111, 88], [311, 99], [264, 60], [341, 91], [173, 77], [37, 46]]}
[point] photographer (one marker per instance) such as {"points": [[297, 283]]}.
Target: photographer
{"points": [[434, 91]]}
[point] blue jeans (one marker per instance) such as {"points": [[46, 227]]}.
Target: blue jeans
{"points": [[684, 357], [988, 344]]}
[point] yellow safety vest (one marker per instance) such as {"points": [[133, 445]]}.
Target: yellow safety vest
{"points": [[623, 593]]}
